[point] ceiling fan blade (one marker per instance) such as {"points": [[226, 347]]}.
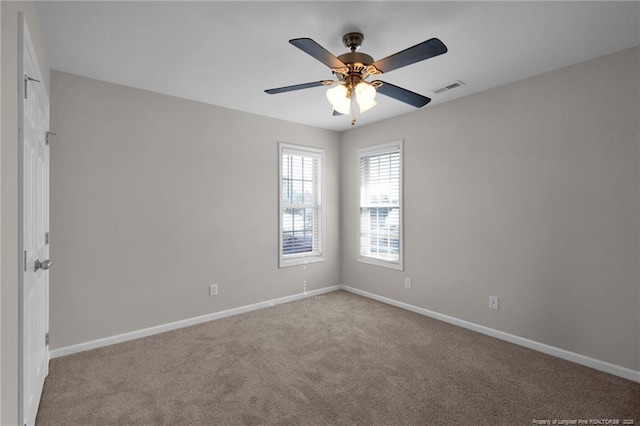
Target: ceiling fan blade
{"points": [[312, 48], [403, 95], [419, 52], [298, 87]]}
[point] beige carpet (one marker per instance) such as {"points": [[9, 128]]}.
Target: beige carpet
{"points": [[336, 359]]}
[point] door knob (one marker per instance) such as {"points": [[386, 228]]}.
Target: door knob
{"points": [[44, 265]]}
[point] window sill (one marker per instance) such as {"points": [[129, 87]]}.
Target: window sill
{"points": [[297, 261], [382, 263]]}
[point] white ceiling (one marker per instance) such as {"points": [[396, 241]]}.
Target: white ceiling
{"points": [[228, 53]]}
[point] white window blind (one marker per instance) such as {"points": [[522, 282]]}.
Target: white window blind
{"points": [[380, 238], [300, 204]]}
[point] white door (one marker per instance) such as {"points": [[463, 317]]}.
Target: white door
{"points": [[33, 127]]}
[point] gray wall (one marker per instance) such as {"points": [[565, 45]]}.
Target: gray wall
{"points": [[153, 198], [529, 192], [9, 195]]}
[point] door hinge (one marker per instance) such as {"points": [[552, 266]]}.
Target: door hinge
{"points": [[46, 339], [27, 79], [46, 238], [25, 261], [47, 140]]}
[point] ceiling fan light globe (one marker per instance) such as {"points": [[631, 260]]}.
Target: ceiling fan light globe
{"points": [[366, 105], [343, 107], [365, 92], [337, 94]]}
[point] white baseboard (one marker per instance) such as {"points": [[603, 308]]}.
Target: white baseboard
{"points": [[616, 370], [98, 343]]}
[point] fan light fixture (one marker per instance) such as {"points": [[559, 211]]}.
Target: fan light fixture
{"points": [[338, 97], [341, 97], [365, 94]]}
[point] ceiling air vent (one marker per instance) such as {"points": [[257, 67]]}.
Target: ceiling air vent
{"points": [[449, 86]]}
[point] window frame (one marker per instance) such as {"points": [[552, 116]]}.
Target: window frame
{"points": [[287, 260], [369, 152]]}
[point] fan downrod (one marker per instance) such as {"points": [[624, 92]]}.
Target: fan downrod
{"points": [[353, 40]]}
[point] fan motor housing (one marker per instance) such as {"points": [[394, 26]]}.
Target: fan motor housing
{"points": [[356, 61]]}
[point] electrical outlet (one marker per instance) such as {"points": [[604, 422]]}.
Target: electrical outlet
{"points": [[407, 282], [213, 290], [494, 303]]}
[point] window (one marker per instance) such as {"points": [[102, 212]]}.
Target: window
{"points": [[380, 230], [300, 205]]}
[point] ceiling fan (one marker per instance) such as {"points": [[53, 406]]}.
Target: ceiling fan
{"points": [[353, 68]]}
